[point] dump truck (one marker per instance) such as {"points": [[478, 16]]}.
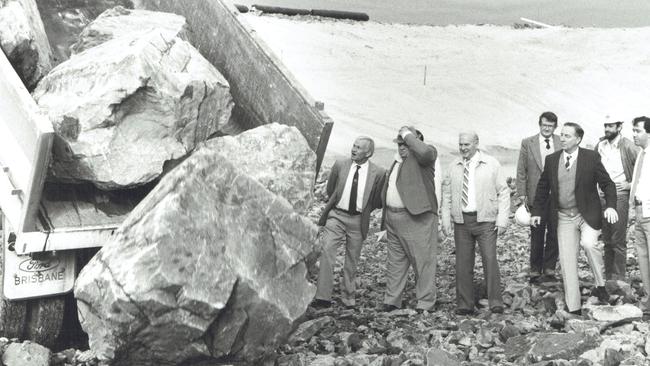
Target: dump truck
{"points": [[50, 229]]}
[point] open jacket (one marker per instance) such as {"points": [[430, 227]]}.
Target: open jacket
{"points": [[629, 152], [530, 166], [589, 172], [492, 192], [371, 194]]}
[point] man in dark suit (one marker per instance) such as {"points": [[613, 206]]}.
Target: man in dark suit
{"points": [[354, 188], [543, 238], [569, 181], [410, 218]]}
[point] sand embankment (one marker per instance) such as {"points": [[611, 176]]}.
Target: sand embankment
{"points": [[492, 79]]}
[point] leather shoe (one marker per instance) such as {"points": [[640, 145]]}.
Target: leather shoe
{"points": [[320, 304], [601, 293], [497, 309], [464, 311], [533, 280]]}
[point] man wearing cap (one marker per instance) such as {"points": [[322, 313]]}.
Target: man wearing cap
{"points": [[410, 218], [477, 201], [640, 198], [618, 155], [570, 182], [354, 188], [543, 238]]}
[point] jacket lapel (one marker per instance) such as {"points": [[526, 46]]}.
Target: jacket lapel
{"points": [[370, 179], [537, 154], [580, 165], [553, 170], [343, 177], [557, 144]]}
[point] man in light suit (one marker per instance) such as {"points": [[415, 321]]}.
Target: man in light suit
{"points": [[410, 218], [353, 187], [569, 185], [543, 238]]}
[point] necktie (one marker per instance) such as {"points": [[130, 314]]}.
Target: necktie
{"points": [[637, 174], [548, 145], [465, 194], [352, 207], [568, 163]]}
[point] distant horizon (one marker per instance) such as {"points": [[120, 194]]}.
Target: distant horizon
{"points": [[578, 13]]}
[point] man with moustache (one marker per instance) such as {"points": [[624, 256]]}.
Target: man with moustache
{"points": [[532, 155], [640, 198], [410, 218], [477, 201], [569, 185], [354, 188], [618, 155]]}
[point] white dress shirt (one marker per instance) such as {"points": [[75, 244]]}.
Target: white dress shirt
{"points": [[642, 190], [611, 157], [344, 202], [542, 147], [393, 199], [471, 187], [573, 159]]}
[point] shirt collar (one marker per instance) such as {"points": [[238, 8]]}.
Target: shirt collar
{"points": [[542, 139], [614, 143], [573, 156], [365, 164], [477, 158]]}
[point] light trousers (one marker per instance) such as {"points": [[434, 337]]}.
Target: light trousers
{"points": [[573, 232], [412, 240], [642, 243], [340, 229]]}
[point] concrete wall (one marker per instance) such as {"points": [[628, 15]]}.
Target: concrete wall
{"points": [[263, 90]]}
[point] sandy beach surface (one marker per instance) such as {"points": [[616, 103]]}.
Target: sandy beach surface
{"points": [[496, 80]]}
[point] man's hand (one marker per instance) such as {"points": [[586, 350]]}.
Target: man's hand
{"points": [[500, 230], [624, 186], [404, 130], [611, 215], [535, 220]]}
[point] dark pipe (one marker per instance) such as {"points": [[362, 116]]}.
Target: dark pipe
{"points": [[241, 8], [279, 10], [339, 14]]}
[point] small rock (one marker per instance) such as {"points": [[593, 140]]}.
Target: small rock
{"points": [[616, 313], [402, 312], [26, 354], [613, 357], [439, 357], [484, 337], [580, 325], [568, 346], [292, 360], [323, 361], [308, 329], [508, 331]]}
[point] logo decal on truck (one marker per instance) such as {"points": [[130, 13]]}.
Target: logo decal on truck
{"points": [[34, 265]]}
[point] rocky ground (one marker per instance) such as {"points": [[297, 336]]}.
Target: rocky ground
{"points": [[533, 329]]}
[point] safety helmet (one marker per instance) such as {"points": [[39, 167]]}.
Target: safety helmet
{"points": [[522, 216]]}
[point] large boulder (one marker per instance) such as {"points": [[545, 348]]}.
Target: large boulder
{"points": [[210, 264], [283, 161], [23, 40], [125, 107], [120, 21]]}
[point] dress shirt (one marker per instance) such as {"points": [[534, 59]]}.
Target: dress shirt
{"points": [[542, 147], [471, 188], [573, 156], [611, 157], [393, 199], [642, 191], [344, 202]]}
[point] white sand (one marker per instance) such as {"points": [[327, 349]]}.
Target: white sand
{"points": [[492, 79]]}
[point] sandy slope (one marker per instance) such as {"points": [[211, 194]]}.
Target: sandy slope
{"points": [[492, 79]]}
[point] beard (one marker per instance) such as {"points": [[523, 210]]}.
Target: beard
{"points": [[611, 135]]}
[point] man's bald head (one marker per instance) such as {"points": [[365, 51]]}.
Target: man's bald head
{"points": [[468, 144]]}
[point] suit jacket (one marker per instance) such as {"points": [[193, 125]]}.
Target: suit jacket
{"points": [[371, 194], [590, 172], [415, 179], [530, 166]]}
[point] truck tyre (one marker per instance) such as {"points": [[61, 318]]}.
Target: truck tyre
{"points": [[12, 313], [44, 320]]}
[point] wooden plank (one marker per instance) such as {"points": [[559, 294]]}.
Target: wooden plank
{"points": [[26, 138], [64, 239]]}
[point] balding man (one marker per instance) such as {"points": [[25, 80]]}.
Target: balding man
{"points": [[477, 201], [353, 187]]}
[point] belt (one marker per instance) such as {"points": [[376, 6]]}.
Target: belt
{"points": [[395, 209], [347, 212], [471, 213]]}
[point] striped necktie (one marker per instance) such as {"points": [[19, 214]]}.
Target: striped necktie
{"points": [[465, 196]]}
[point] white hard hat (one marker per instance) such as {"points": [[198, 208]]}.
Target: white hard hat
{"points": [[522, 216]]}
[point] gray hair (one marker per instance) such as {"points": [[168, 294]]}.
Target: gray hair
{"points": [[472, 134], [371, 143]]}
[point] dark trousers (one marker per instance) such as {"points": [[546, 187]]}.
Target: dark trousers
{"points": [[466, 236], [614, 236], [543, 247]]}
